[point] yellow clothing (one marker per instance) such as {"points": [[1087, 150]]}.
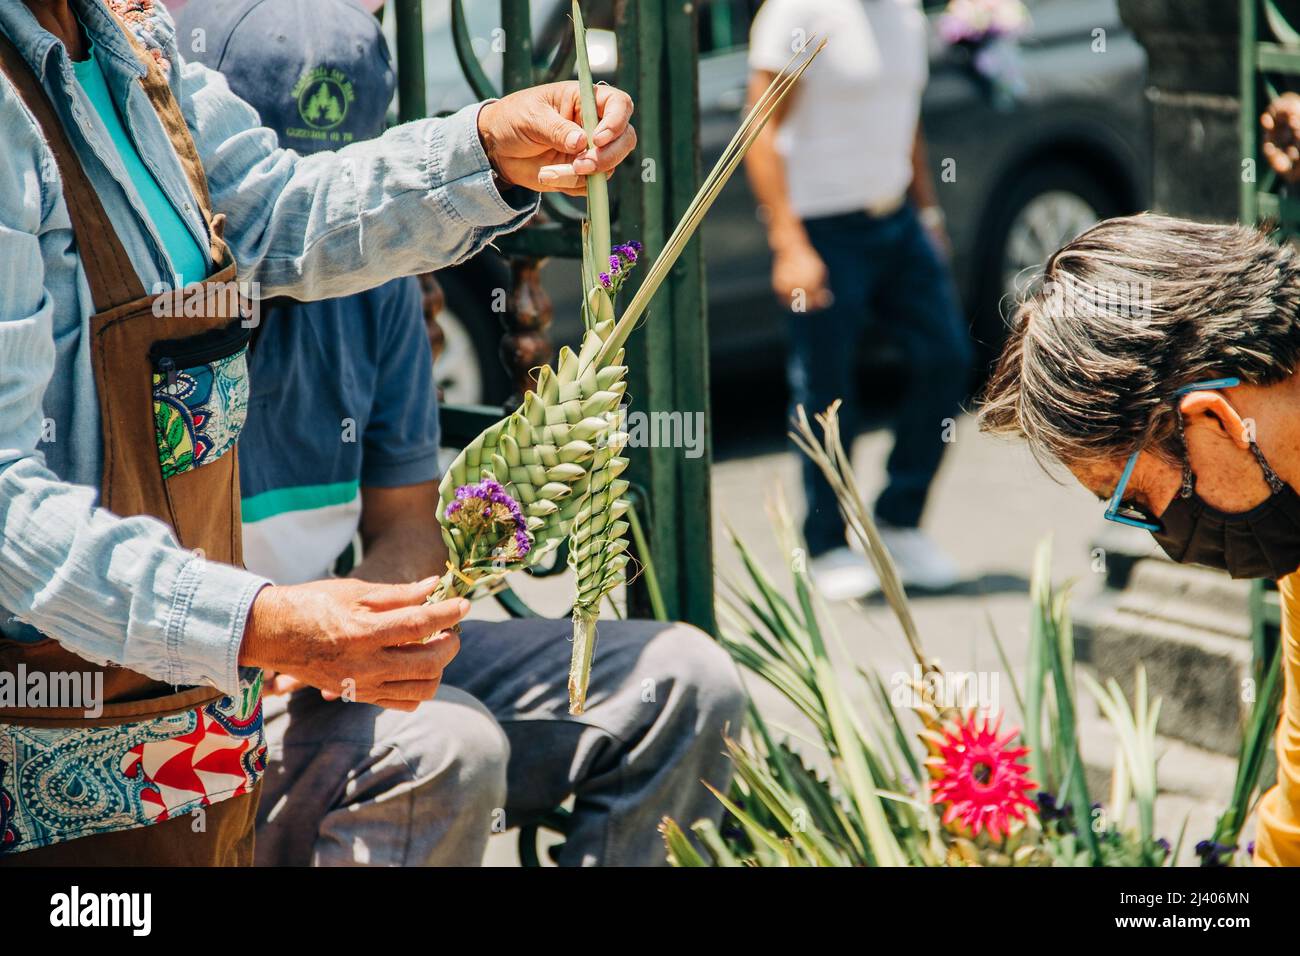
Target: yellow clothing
{"points": [[1277, 841]]}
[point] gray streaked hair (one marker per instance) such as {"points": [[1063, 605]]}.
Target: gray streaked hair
{"points": [[1126, 314]]}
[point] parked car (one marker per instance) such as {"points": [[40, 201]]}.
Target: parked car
{"points": [[1074, 149]]}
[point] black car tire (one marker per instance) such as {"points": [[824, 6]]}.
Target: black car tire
{"points": [[469, 291], [992, 308]]}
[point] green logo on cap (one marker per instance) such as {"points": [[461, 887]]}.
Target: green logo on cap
{"points": [[323, 96]]}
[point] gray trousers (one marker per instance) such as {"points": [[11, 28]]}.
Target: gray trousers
{"points": [[353, 784]]}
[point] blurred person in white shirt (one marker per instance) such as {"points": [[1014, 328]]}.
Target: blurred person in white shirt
{"points": [[857, 233]]}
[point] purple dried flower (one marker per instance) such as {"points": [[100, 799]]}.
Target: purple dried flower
{"points": [[493, 517], [605, 280], [977, 21], [1215, 854], [615, 264]]}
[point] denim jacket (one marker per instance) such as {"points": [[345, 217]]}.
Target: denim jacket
{"points": [[419, 198]]}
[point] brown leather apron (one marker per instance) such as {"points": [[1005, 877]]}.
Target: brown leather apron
{"points": [[142, 346]]}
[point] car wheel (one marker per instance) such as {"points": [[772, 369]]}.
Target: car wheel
{"points": [[469, 370], [1035, 216]]}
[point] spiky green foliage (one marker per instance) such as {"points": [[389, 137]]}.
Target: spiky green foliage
{"points": [[867, 803]]}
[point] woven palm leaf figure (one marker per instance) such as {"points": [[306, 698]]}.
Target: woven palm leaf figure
{"points": [[551, 470], [598, 540], [542, 457], [597, 554]]}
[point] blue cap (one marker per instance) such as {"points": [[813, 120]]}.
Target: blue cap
{"points": [[318, 72]]}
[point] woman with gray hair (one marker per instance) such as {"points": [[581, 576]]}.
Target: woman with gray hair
{"points": [[1157, 362]]}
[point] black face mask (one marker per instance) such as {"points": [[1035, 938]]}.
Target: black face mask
{"points": [[1263, 542]]}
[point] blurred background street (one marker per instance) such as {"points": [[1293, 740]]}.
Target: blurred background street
{"points": [[1014, 182]]}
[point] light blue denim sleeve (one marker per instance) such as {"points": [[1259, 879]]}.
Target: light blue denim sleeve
{"points": [[107, 588], [418, 198]]}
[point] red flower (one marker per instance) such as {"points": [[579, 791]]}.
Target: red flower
{"points": [[979, 777]]}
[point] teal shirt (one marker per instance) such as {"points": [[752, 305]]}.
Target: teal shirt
{"points": [[186, 258]]}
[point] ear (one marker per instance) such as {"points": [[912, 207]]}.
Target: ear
{"points": [[1209, 409]]}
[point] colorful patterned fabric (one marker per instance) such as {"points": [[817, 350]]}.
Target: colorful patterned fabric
{"points": [[8, 833], [199, 412], [58, 784], [138, 15]]}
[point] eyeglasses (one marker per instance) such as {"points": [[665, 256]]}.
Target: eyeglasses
{"points": [[1130, 514]]}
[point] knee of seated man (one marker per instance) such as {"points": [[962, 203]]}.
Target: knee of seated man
{"points": [[686, 662], [454, 740]]}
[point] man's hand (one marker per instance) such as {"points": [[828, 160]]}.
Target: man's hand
{"points": [[799, 273], [534, 138], [936, 230], [275, 684], [355, 639], [1281, 146]]}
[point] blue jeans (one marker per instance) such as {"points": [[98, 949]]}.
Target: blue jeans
{"points": [[886, 266]]}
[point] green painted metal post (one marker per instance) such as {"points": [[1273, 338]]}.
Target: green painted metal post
{"points": [[690, 340], [517, 65], [1249, 113], [668, 356], [1260, 197], [411, 102], [639, 199]]}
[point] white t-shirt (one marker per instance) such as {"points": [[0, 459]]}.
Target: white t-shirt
{"points": [[847, 136]]}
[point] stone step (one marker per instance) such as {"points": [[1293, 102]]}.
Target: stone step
{"points": [[1197, 597], [1193, 784], [1191, 632]]}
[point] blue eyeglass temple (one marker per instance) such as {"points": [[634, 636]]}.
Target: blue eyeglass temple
{"points": [[1116, 499]]}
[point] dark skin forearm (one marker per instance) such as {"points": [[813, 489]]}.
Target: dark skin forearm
{"points": [[400, 534], [798, 274], [765, 168], [921, 192], [57, 17]]}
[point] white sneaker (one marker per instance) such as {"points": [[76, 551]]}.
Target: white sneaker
{"points": [[842, 575], [921, 564]]}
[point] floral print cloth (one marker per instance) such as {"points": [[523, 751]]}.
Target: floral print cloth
{"points": [[198, 412], [61, 783]]}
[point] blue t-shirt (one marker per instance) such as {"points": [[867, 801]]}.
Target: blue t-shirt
{"points": [[182, 249], [342, 396]]}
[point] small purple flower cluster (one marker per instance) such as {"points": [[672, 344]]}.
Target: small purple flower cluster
{"points": [[493, 519], [620, 264], [974, 21], [1215, 854]]}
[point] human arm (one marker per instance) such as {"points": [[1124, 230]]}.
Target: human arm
{"points": [[421, 197], [799, 276], [400, 535], [923, 195], [796, 267]]}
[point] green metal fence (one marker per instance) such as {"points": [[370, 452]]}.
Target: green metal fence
{"points": [[668, 358], [1270, 65]]}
